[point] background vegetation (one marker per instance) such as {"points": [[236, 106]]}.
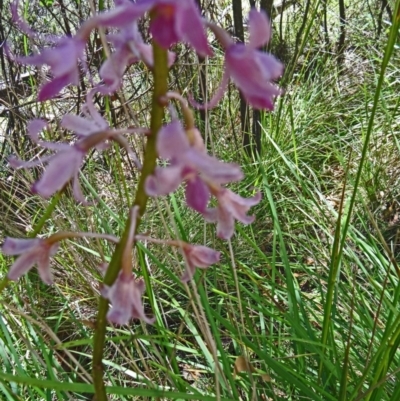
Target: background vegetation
{"points": [[305, 302]]}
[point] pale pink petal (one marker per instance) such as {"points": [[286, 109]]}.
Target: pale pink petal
{"points": [[53, 88], [198, 256], [23, 264], [77, 190], [260, 102], [164, 180], [238, 206], [34, 127], [18, 163], [80, 125], [43, 264], [112, 70], [105, 290], [251, 71], [16, 246], [202, 256], [125, 298], [59, 147], [146, 54], [122, 15], [93, 112], [259, 28], [172, 140], [59, 171], [270, 66], [162, 27], [210, 215], [53, 249], [136, 302], [20, 22], [191, 29], [197, 194], [225, 224], [214, 169], [189, 272], [119, 296]]}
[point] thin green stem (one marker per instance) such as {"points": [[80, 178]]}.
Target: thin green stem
{"points": [[160, 73]]}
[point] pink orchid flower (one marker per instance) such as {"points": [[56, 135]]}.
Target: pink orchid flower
{"points": [[129, 49], [251, 70], [125, 297], [91, 123], [63, 62], [177, 20], [230, 207], [190, 163], [62, 166], [172, 21], [198, 256], [20, 22], [32, 251], [65, 165]]}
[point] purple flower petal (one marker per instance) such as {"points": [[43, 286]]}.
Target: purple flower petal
{"points": [[123, 14], [259, 28], [34, 127], [54, 87], [77, 190], [162, 26], [238, 206], [177, 20], [59, 171], [164, 180], [43, 265], [252, 71], [212, 168], [172, 140], [125, 297], [225, 224], [197, 194], [31, 251], [191, 29], [22, 265], [16, 246], [20, 22], [18, 163], [62, 60], [80, 125], [198, 256], [230, 207]]}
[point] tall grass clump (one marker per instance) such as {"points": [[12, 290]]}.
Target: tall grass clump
{"points": [[304, 302]]}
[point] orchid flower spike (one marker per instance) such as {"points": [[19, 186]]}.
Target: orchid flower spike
{"points": [[189, 163], [36, 251], [230, 207], [251, 70], [126, 292]]}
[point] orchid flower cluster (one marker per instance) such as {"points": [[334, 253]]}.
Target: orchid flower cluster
{"points": [[180, 144]]}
